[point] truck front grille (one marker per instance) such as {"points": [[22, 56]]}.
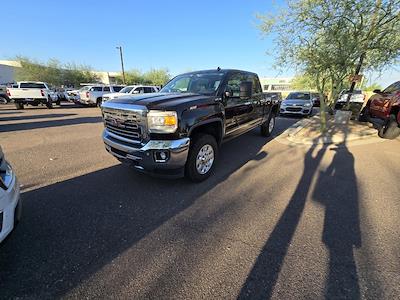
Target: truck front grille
{"points": [[294, 109], [124, 124]]}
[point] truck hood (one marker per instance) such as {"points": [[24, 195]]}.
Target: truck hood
{"points": [[160, 100], [114, 95]]}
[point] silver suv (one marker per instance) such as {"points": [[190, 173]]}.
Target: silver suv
{"points": [[298, 103]]}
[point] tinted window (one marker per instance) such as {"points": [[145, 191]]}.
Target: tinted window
{"points": [[199, 83], [106, 89], [31, 85], [148, 90], [233, 84], [117, 88], [392, 88], [96, 89], [299, 96]]}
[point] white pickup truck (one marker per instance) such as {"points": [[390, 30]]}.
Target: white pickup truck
{"points": [[93, 95], [32, 93], [131, 89]]}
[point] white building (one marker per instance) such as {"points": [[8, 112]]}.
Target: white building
{"points": [[276, 84]]}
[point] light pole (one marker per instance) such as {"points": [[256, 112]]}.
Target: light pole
{"points": [[122, 62]]}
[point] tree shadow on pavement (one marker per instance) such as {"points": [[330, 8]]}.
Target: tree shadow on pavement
{"points": [[34, 117], [337, 190], [72, 229]]}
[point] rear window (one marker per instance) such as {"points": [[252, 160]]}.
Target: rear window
{"points": [[117, 88], [299, 96], [31, 85]]}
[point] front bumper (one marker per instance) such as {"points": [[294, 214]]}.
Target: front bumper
{"points": [[145, 157], [296, 110], [10, 208]]}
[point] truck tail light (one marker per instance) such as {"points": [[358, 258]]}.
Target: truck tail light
{"points": [[42, 92], [87, 94], [8, 93]]}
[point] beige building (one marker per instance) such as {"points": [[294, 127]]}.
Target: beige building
{"points": [[276, 84], [8, 70]]}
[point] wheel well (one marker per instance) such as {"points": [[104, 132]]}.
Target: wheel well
{"points": [[212, 128]]}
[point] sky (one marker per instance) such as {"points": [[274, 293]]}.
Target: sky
{"points": [[178, 35]]}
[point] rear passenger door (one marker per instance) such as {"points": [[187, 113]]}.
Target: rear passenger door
{"points": [[260, 105]]}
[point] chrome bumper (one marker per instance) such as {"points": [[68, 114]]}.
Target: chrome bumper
{"points": [[142, 157]]}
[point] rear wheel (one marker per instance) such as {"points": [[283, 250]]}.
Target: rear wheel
{"points": [[49, 103], [3, 100], [58, 102], [19, 105], [201, 159], [98, 102], [268, 126], [391, 129]]}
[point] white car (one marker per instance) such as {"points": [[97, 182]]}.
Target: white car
{"points": [[357, 98], [10, 203], [132, 89], [93, 95]]}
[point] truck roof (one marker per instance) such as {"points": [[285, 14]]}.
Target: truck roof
{"points": [[218, 70], [39, 82]]}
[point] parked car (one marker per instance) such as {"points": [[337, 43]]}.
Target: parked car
{"points": [[357, 99], [178, 131], [298, 103], [131, 89], [274, 96], [32, 93], [73, 95], [10, 203], [383, 109], [92, 95], [4, 99]]}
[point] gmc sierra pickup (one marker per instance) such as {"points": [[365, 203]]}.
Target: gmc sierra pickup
{"points": [[178, 131], [383, 109]]}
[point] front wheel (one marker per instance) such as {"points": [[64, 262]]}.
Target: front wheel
{"points": [[201, 159], [390, 130], [268, 127], [19, 105], [364, 115], [49, 103]]}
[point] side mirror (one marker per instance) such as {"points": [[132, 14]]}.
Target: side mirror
{"points": [[228, 94], [246, 89], [377, 91], [136, 92]]}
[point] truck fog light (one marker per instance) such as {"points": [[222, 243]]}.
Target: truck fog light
{"points": [[161, 156]]}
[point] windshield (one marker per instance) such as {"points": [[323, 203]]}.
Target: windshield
{"points": [[198, 83], [85, 88], [299, 96], [126, 89]]}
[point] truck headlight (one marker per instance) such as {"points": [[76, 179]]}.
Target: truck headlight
{"points": [[308, 104], [162, 121]]}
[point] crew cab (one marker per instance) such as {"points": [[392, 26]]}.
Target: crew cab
{"points": [[178, 131], [32, 93], [92, 95], [131, 89], [383, 108]]}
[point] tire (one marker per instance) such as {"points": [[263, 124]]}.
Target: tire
{"points": [[49, 103], [390, 130], [58, 102], [19, 105], [268, 126], [98, 102], [203, 145], [364, 115], [3, 100]]}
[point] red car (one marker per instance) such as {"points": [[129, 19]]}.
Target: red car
{"points": [[383, 109]]}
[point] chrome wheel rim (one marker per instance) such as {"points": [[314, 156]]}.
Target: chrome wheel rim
{"points": [[205, 159], [271, 125]]}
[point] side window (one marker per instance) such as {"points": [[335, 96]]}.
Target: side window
{"points": [[96, 89], [233, 84], [148, 89], [256, 84], [106, 89], [139, 90], [392, 88]]}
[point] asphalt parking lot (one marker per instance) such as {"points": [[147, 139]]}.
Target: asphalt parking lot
{"points": [[275, 221]]}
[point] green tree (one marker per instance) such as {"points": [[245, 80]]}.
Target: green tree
{"points": [[157, 76], [326, 40], [54, 73]]}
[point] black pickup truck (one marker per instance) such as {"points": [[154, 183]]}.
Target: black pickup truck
{"points": [[178, 131]]}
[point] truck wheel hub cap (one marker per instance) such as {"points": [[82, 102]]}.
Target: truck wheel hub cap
{"points": [[205, 159], [271, 124]]}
